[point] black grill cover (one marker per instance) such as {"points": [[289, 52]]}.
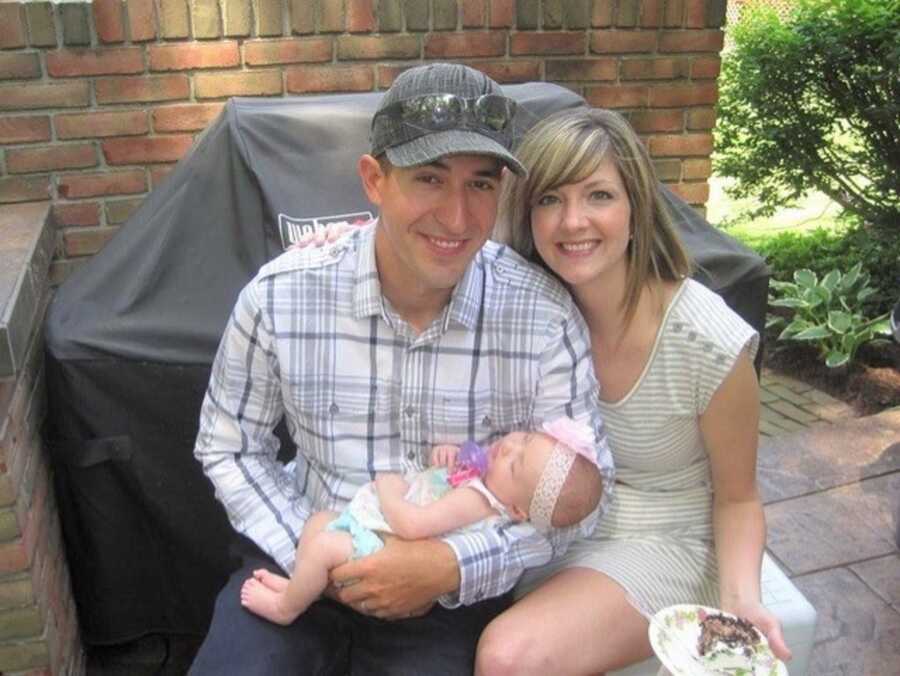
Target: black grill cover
{"points": [[132, 334]]}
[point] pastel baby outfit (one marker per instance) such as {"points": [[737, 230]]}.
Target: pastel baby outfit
{"points": [[363, 520], [656, 540]]}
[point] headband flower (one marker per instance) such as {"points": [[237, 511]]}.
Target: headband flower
{"points": [[574, 435]]}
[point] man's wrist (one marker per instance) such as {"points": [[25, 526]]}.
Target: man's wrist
{"points": [[446, 566]]}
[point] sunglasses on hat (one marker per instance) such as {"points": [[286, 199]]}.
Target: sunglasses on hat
{"points": [[489, 114]]}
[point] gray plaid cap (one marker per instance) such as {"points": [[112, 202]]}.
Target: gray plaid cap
{"points": [[407, 147]]}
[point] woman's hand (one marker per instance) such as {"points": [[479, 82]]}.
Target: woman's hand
{"points": [[766, 622], [444, 455], [322, 236]]}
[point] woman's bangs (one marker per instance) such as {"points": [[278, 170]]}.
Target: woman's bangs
{"points": [[566, 167]]}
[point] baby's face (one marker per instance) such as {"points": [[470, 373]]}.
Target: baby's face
{"points": [[515, 463]]}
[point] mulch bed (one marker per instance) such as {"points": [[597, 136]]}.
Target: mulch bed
{"points": [[870, 385]]}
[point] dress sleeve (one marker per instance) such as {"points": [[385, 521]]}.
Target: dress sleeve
{"points": [[478, 485], [721, 337]]}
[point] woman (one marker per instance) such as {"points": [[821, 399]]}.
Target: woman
{"points": [[679, 396]]}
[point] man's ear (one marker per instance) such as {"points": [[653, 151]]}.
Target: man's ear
{"points": [[372, 178]]}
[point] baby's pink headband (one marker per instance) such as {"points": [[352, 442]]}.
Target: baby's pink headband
{"points": [[572, 439]]}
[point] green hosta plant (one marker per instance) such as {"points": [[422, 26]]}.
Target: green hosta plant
{"points": [[826, 312]]}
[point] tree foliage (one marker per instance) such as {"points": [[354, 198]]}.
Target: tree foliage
{"points": [[813, 102]]}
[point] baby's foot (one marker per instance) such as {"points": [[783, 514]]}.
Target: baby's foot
{"points": [[270, 580], [265, 602]]}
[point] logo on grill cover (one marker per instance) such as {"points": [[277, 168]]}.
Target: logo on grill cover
{"points": [[292, 229]]}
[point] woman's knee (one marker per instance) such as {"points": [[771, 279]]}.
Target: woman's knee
{"points": [[506, 647]]}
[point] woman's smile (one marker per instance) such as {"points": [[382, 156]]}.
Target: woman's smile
{"points": [[579, 249]]}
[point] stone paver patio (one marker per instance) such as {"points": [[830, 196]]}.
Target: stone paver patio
{"points": [[831, 488], [832, 493]]}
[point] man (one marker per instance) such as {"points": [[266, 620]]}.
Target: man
{"points": [[407, 333]]}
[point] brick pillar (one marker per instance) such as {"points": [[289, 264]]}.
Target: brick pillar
{"points": [[38, 625]]}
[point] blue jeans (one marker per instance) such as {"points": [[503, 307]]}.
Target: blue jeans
{"points": [[331, 639]]}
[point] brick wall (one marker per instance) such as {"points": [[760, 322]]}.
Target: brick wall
{"points": [[98, 100], [38, 624]]}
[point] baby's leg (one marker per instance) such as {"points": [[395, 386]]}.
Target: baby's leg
{"points": [[314, 525], [318, 552]]}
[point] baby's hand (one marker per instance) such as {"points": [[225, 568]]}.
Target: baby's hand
{"points": [[444, 455]]}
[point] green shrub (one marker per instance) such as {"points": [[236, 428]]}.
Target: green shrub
{"points": [[824, 250], [825, 312], [814, 102]]}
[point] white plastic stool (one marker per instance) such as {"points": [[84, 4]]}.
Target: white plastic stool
{"points": [[798, 619]]}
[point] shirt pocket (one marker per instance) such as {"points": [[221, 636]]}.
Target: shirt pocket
{"points": [[351, 400], [335, 423], [481, 416]]}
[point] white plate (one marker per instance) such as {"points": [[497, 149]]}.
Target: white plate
{"points": [[674, 632]]}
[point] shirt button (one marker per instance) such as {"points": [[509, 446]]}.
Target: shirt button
{"points": [[479, 595], [486, 421], [410, 411], [334, 408], [411, 455]]}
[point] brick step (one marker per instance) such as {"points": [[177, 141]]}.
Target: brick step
{"points": [[790, 405], [26, 247]]}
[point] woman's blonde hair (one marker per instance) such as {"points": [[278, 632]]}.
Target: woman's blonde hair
{"points": [[569, 146]]}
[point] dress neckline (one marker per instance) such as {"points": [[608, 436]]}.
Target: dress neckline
{"points": [[659, 333]]}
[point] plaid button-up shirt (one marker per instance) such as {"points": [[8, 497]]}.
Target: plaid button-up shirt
{"points": [[313, 340]]}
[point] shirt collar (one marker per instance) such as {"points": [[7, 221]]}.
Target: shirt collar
{"points": [[465, 301], [367, 299]]}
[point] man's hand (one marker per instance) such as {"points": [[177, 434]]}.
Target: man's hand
{"points": [[444, 455], [401, 580]]}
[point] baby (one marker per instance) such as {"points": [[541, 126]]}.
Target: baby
{"points": [[550, 478]]}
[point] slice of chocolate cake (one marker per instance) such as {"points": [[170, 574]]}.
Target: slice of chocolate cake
{"points": [[717, 630], [727, 642]]}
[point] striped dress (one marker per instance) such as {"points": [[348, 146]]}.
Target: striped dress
{"points": [[656, 540]]}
